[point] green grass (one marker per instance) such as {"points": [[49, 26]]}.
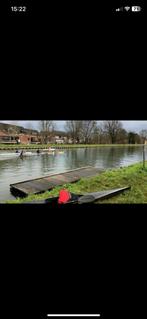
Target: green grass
{"points": [[133, 176], [61, 146], [23, 146]]}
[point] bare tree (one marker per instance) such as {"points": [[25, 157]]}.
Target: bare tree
{"points": [[46, 130], [73, 129], [98, 134], [143, 135], [87, 130], [112, 128]]}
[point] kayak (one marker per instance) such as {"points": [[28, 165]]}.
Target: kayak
{"points": [[82, 199], [92, 197], [51, 149], [27, 154], [8, 156], [51, 153]]}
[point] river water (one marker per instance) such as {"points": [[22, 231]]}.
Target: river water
{"points": [[13, 169]]}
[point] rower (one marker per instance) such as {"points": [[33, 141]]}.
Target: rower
{"points": [[21, 154]]}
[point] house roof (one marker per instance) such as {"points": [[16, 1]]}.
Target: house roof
{"points": [[3, 134], [14, 129]]}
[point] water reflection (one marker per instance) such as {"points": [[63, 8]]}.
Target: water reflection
{"points": [[114, 156], [75, 158], [14, 170]]}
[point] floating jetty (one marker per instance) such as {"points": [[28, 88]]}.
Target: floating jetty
{"points": [[40, 185]]}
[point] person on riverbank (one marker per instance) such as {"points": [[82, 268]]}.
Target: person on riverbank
{"points": [[38, 151]]}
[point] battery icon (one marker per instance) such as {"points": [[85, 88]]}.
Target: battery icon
{"points": [[136, 8]]}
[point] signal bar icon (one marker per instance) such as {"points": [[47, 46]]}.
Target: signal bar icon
{"points": [[119, 9], [127, 8]]}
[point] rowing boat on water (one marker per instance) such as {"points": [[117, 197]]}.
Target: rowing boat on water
{"points": [[50, 149], [51, 153], [4, 157], [9, 156]]}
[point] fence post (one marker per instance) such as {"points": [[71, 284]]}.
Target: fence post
{"points": [[143, 156]]}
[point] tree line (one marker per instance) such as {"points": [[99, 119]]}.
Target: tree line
{"points": [[94, 132]]}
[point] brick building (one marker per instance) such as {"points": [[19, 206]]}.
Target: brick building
{"points": [[18, 139], [12, 134]]}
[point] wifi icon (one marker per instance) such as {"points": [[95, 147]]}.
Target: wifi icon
{"points": [[127, 8]]}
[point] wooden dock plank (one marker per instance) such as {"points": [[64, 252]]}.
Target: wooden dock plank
{"points": [[45, 183]]}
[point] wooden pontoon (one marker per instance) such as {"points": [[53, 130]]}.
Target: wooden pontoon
{"points": [[40, 185]]}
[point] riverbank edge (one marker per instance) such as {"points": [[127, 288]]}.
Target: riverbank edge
{"points": [[133, 175], [58, 147]]}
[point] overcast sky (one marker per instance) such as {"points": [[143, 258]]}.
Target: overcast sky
{"points": [[128, 125]]}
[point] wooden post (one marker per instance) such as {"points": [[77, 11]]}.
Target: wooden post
{"points": [[144, 156]]}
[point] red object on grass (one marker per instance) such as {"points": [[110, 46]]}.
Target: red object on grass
{"points": [[64, 196]]}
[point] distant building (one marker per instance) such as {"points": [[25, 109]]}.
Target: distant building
{"points": [[5, 138], [12, 134], [70, 141], [60, 141], [18, 139]]}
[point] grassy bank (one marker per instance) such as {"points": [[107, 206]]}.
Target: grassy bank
{"points": [[132, 175], [65, 146]]}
